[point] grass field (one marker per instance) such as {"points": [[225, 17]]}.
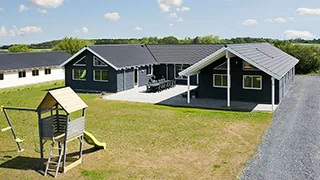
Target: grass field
{"points": [[144, 141]]}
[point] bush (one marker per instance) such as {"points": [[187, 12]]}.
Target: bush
{"points": [[309, 56], [19, 48]]}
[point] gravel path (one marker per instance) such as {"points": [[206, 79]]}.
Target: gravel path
{"points": [[291, 146]]}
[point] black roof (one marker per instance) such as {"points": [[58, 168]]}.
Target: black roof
{"points": [[122, 56], [182, 54], [15, 61]]}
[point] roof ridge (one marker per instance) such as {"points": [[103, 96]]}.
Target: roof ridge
{"points": [[16, 53]]}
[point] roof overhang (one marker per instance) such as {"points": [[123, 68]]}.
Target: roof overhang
{"points": [[194, 69], [93, 52]]}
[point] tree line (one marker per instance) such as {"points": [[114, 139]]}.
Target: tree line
{"points": [[309, 55]]}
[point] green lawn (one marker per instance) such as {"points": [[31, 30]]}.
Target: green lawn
{"points": [[144, 141]]}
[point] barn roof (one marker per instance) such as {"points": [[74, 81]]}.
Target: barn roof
{"points": [[65, 97], [16, 61], [263, 56], [182, 54]]}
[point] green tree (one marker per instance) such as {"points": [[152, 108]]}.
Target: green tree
{"points": [[19, 48], [72, 45], [169, 40], [209, 39]]}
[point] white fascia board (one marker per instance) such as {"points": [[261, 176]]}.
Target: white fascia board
{"points": [[194, 69], [253, 63], [72, 57]]}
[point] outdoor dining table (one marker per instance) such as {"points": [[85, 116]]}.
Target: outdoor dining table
{"points": [[160, 85]]}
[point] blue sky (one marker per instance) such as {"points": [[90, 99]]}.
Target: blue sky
{"points": [[33, 21]]}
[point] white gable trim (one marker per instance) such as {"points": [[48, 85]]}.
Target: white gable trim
{"points": [[93, 52], [194, 69]]}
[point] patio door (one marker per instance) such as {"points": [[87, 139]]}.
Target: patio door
{"points": [[136, 77]]}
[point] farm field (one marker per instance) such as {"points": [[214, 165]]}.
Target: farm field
{"points": [[144, 141]]}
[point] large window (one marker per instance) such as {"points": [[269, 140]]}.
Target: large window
{"points": [[252, 82], [81, 62], [220, 80], [79, 74], [1, 76], [98, 62], [179, 68], [149, 70], [248, 67], [47, 71], [35, 72], [101, 75], [22, 74]]}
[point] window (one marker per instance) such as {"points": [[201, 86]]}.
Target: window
{"points": [[47, 71], [79, 74], [247, 66], [98, 62], [101, 75], [35, 72], [220, 80], [81, 62], [22, 74], [252, 82], [1, 76], [149, 70], [222, 66], [179, 68]]}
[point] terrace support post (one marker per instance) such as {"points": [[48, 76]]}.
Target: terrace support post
{"points": [[167, 76], [188, 93], [198, 79], [272, 93], [228, 78]]}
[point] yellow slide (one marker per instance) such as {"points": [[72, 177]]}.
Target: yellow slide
{"points": [[90, 139]]}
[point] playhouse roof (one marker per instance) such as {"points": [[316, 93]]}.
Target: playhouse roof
{"points": [[65, 97]]}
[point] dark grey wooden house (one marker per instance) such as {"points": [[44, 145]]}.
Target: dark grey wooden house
{"points": [[110, 68], [253, 72]]}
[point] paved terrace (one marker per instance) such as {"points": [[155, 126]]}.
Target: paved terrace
{"points": [[173, 97]]}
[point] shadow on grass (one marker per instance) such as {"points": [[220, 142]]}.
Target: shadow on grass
{"points": [[21, 163]]}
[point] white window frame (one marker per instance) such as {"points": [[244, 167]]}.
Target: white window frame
{"points": [[243, 77], [75, 64], [2, 76], [95, 58], [175, 70], [222, 69], [78, 79], [256, 69], [22, 76], [94, 75], [151, 70], [221, 80], [35, 70], [47, 69]]}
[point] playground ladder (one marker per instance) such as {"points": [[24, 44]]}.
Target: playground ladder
{"points": [[54, 163]]}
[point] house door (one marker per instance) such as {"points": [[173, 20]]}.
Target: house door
{"points": [[136, 77]]}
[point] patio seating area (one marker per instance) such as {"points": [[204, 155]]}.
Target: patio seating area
{"points": [[160, 85]]}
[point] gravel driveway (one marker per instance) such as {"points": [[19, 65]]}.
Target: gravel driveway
{"points": [[291, 146]]}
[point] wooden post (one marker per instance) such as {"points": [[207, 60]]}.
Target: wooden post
{"points": [[188, 93], [12, 130], [40, 139], [272, 93], [65, 144]]}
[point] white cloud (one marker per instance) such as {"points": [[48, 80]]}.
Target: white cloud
{"points": [[291, 18], [114, 16], [43, 11], [183, 9], [268, 20], [280, 20], [22, 8], [180, 19], [76, 31], [173, 16], [138, 28], [166, 5], [308, 11], [250, 22], [85, 30], [1, 9], [171, 24], [20, 31], [298, 34], [47, 3]]}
